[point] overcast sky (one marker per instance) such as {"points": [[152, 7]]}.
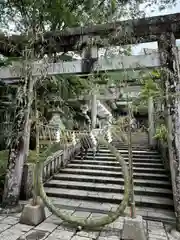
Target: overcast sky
{"points": [[156, 12]]}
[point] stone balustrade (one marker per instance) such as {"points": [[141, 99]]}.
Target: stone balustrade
{"points": [[51, 166], [59, 160]]}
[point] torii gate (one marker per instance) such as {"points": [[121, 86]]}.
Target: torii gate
{"points": [[90, 61], [164, 29]]}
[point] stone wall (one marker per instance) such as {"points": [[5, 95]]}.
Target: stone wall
{"points": [[163, 150]]}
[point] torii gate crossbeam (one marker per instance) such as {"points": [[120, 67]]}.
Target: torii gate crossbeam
{"points": [[118, 63]]}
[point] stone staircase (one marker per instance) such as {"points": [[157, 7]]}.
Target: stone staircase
{"points": [[97, 185]]}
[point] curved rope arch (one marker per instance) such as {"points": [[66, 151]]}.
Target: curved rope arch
{"points": [[90, 223]]}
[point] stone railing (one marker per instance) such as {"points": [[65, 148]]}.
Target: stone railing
{"points": [[47, 132], [59, 160], [52, 165]]}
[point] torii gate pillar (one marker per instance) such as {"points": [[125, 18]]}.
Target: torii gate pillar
{"points": [[90, 56], [93, 111]]}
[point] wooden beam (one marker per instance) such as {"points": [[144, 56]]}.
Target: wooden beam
{"points": [[120, 32], [118, 63]]}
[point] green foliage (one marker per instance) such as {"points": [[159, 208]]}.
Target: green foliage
{"points": [[161, 133], [7, 108], [54, 93], [150, 88], [58, 14], [5, 61], [44, 153], [150, 85]]}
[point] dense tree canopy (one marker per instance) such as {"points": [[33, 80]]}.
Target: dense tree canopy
{"points": [[58, 14]]}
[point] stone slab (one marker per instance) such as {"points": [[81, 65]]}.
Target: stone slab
{"points": [[89, 234], [22, 227], [53, 228], [4, 226], [11, 220], [44, 226], [34, 235], [53, 219], [60, 235]]}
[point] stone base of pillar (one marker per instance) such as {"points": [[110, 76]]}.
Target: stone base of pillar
{"points": [[133, 229], [175, 234], [33, 215]]}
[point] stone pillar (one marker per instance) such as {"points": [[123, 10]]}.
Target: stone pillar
{"points": [[93, 111], [151, 124], [73, 138], [90, 56], [58, 138], [169, 58]]}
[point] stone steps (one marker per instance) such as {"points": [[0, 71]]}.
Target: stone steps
{"points": [[108, 197], [112, 158], [147, 164], [94, 184], [134, 147], [104, 208], [154, 176], [113, 188], [141, 152], [114, 168], [136, 155], [111, 180]]}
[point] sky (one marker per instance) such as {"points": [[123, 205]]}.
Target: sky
{"points": [[148, 11]]}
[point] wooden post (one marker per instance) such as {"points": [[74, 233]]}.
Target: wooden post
{"points": [[171, 79], [151, 127]]}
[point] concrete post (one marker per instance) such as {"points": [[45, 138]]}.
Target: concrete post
{"points": [[151, 124], [93, 111]]}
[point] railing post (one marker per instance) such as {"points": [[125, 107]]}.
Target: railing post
{"points": [[73, 138], [58, 135]]}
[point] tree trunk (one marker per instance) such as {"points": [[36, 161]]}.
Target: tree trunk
{"points": [[171, 77], [19, 146]]}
